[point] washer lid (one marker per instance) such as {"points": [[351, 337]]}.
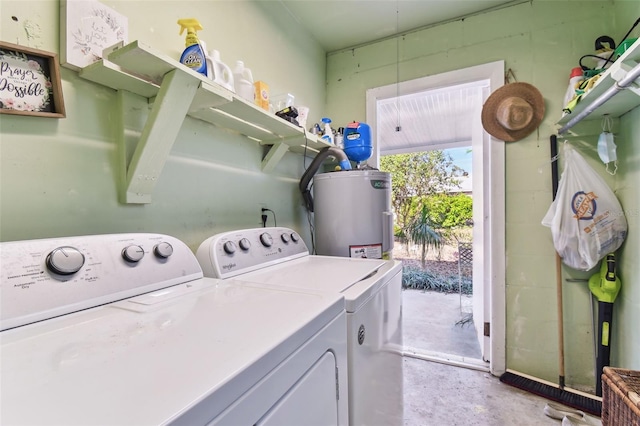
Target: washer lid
{"points": [[355, 278], [149, 359]]}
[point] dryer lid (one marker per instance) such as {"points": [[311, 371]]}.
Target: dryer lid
{"points": [[329, 273]]}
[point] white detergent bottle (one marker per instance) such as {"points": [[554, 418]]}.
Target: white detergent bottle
{"points": [[243, 82], [221, 73], [207, 58]]}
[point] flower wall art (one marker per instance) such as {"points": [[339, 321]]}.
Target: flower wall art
{"points": [[87, 27], [30, 82]]}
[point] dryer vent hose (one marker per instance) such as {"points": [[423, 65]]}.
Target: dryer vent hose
{"points": [[330, 151]]}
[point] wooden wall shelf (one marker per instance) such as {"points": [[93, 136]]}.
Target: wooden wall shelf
{"points": [[174, 91]]}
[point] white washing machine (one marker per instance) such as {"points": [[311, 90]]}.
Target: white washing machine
{"points": [[372, 289], [123, 329]]}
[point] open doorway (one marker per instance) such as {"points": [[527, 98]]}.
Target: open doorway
{"points": [[432, 199], [488, 180]]}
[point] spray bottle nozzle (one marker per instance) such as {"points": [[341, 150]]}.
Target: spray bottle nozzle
{"points": [[191, 24]]}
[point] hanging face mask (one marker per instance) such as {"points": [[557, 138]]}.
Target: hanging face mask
{"points": [[607, 151]]}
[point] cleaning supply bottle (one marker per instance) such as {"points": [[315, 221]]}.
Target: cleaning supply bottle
{"points": [[327, 134], [194, 55], [219, 71], [574, 80], [340, 137], [207, 58], [243, 81]]}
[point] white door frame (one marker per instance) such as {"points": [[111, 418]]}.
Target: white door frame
{"points": [[488, 155]]}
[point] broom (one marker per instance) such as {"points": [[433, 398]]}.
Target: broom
{"points": [[555, 392]]}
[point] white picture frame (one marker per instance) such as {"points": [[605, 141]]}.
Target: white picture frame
{"points": [[86, 28]]}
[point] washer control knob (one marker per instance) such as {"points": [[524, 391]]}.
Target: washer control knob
{"points": [[229, 247], [244, 244], [65, 260], [163, 250], [266, 239], [295, 237], [285, 238], [133, 253]]}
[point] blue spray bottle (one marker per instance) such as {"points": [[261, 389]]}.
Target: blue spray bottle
{"points": [[194, 55]]}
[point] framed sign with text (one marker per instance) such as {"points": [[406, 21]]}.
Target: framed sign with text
{"points": [[30, 82]]}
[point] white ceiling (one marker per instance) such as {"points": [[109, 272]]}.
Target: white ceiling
{"points": [[347, 23], [437, 118]]}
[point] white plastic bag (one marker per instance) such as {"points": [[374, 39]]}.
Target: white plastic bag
{"points": [[586, 219]]}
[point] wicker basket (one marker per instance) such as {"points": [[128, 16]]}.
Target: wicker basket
{"points": [[620, 397]]}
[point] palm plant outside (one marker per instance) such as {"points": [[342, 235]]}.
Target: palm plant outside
{"points": [[426, 180], [421, 231], [415, 176], [430, 212]]}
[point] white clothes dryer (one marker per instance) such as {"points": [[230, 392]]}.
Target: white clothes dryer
{"points": [[123, 329], [373, 301]]}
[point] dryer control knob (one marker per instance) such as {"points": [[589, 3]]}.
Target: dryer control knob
{"points": [[65, 260], [285, 238], [266, 239], [133, 253], [163, 250], [244, 244], [229, 247], [295, 237]]}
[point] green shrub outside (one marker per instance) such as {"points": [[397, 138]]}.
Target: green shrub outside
{"points": [[414, 278]]}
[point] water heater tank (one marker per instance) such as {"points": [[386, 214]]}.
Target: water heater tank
{"points": [[353, 215]]}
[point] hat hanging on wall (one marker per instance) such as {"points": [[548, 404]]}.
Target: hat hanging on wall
{"points": [[513, 111]]}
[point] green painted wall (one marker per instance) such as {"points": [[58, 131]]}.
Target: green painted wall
{"points": [[540, 41], [58, 176], [627, 306]]}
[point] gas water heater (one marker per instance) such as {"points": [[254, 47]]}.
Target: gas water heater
{"points": [[353, 214], [352, 208]]}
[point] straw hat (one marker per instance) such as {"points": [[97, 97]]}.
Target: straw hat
{"points": [[513, 111]]}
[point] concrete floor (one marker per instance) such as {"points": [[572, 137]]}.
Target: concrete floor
{"points": [[444, 395], [440, 394], [429, 324]]}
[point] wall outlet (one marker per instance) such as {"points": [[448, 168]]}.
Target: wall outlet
{"points": [[263, 214]]}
